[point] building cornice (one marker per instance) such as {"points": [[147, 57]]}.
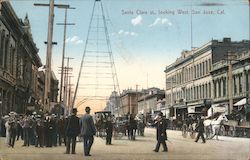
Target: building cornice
{"points": [[205, 48]]}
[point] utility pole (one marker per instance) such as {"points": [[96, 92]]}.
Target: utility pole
{"points": [[51, 6], [69, 95], [66, 86], [49, 53], [64, 42], [230, 57]]}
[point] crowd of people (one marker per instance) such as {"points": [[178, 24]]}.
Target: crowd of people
{"points": [[37, 130], [50, 130]]}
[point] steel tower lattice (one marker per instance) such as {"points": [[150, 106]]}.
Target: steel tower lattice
{"points": [[97, 76]]}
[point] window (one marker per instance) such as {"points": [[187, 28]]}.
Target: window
{"points": [[209, 90], [201, 69], [1, 48], [194, 93], [240, 84], [219, 88], [206, 90], [11, 59], [215, 89], [203, 91], [6, 54], [198, 71], [194, 71], [224, 87], [235, 85], [210, 64], [206, 67]]}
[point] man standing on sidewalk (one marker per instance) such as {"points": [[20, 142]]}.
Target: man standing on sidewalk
{"points": [[88, 131], [109, 130]]}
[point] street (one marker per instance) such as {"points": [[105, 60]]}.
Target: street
{"points": [[226, 148]]}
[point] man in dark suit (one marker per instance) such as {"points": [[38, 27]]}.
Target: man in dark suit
{"points": [[161, 134], [109, 131], [88, 131], [71, 131], [200, 130]]}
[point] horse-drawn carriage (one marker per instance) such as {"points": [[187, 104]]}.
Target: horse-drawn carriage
{"points": [[236, 128], [120, 127], [234, 124], [100, 122]]}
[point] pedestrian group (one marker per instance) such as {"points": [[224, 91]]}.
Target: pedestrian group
{"points": [[50, 131]]}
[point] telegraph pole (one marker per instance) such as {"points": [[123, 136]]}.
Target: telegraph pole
{"points": [[70, 91], [51, 6], [49, 53], [231, 57], [64, 42], [65, 95]]}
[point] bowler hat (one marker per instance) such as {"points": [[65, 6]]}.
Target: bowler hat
{"points": [[87, 109]]}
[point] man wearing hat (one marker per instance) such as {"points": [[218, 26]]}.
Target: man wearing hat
{"points": [[88, 131], [161, 134], [71, 131]]}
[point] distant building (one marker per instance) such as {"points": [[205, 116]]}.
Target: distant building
{"points": [[147, 102], [161, 106], [113, 103], [129, 103], [189, 84]]}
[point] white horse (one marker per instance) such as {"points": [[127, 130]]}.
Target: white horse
{"points": [[212, 127]]}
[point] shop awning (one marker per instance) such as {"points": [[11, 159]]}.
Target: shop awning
{"points": [[241, 102]]}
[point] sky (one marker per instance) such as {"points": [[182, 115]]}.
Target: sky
{"points": [[145, 35]]}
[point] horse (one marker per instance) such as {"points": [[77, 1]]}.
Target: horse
{"points": [[212, 127]]}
